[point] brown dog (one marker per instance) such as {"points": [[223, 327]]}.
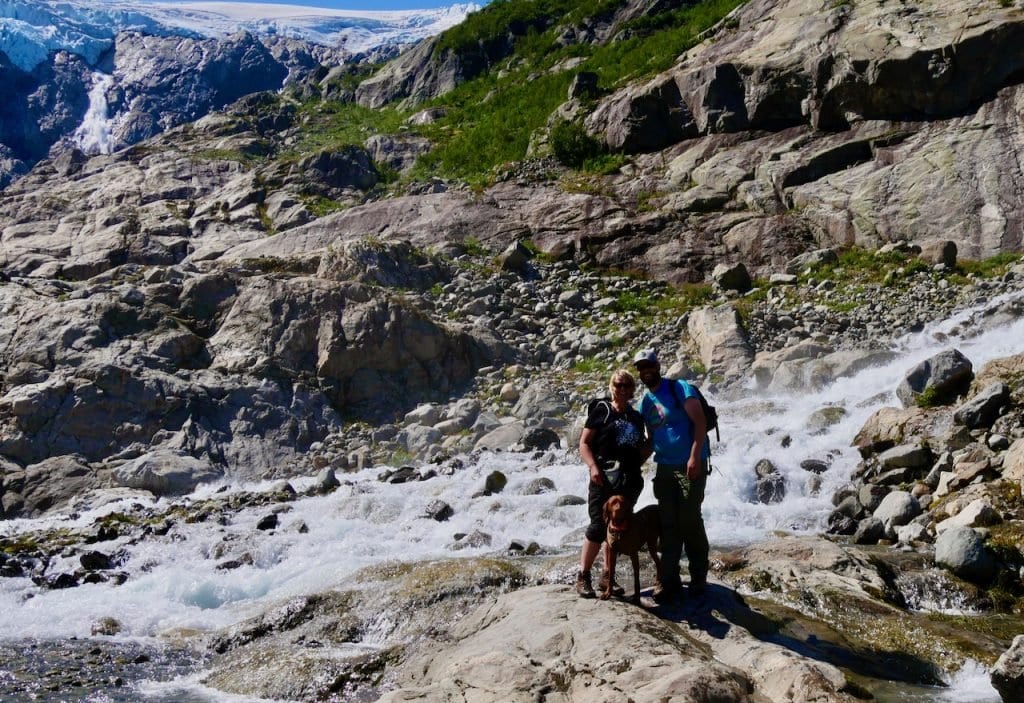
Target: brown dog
{"points": [[627, 533]]}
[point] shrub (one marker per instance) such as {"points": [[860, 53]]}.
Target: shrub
{"points": [[571, 144]]}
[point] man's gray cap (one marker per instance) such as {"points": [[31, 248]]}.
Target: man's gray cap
{"points": [[645, 355]]}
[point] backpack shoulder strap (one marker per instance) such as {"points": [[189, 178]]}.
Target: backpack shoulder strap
{"points": [[673, 385]]}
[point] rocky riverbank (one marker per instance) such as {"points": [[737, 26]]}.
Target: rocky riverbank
{"points": [[794, 618]]}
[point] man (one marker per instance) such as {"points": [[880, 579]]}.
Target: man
{"points": [[677, 426]]}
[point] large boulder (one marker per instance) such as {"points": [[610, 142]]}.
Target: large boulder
{"points": [[351, 167], [1013, 462], [361, 345], [48, 485], [962, 551], [983, 409], [643, 118], [1008, 673], [896, 509], [939, 379], [721, 340]]}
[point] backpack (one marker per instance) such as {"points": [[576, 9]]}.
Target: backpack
{"points": [[710, 414], [614, 477]]}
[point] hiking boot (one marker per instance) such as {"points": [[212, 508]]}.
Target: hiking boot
{"points": [[697, 588], [602, 585], [666, 594], [583, 585]]}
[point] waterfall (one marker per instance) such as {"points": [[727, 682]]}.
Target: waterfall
{"points": [[93, 135]]}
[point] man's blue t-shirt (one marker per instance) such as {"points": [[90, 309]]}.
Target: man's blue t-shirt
{"points": [[668, 423]]}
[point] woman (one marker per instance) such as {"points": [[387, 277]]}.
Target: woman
{"points": [[614, 445]]}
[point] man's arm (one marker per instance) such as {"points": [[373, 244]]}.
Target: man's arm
{"points": [[695, 465]]}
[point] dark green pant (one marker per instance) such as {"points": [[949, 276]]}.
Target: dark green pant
{"points": [[682, 525]]}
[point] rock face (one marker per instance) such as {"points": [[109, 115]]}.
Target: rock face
{"points": [[895, 106], [162, 82]]}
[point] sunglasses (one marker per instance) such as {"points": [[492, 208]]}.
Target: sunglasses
{"points": [[640, 366], [624, 385]]}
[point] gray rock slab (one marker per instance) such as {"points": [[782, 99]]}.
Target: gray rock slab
{"points": [[166, 472]]}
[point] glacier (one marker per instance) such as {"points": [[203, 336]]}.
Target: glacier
{"points": [[30, 30]]}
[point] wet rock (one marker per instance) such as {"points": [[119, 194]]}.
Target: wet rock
{"points": [[538, 486], [1008, 673], [439, 511], [403, 474], [268, 522], [474, 539], [495, 483], [815, 466], [840, 524], [106, 626], [771, 485], [56, 582], [96, 561], [326, 481]]}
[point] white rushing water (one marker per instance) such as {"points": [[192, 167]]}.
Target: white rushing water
{"points": [[173, 582], [93, 136]]}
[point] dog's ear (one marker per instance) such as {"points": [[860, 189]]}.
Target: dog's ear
{"points": [[608, 510]]}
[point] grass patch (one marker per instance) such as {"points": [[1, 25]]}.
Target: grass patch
{"points": [[319, 206], [994, 267], [330, 125], [591, 366]]}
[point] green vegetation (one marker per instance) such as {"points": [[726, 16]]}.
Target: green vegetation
{"points": [[993, 267], [517, 17], [672, 300], [335, 124], [491, 119], [319, 206], [591, 366], [274, 264], [474, 247], [571, 144], [929, 398]]}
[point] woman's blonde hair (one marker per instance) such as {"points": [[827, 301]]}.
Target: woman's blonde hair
{"points": [[620, 376]]}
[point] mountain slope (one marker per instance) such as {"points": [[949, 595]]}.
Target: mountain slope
{"points": [[103, 75]]}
